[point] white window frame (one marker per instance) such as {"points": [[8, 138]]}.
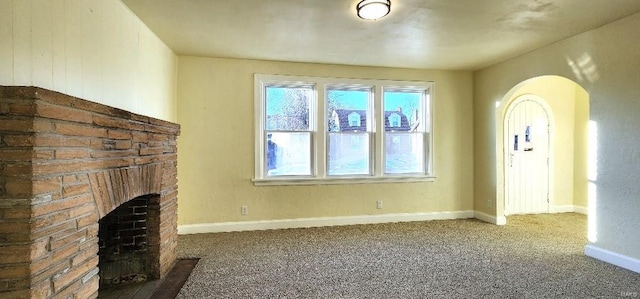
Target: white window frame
{"points": [[319, 130]]}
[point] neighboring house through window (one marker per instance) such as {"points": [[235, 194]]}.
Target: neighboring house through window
{"points": [[354, 119], [394, 120]]}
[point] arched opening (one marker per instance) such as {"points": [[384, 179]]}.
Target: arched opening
{"points": [[528, 152], [569, 104]]}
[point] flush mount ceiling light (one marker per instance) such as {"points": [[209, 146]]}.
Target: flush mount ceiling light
{"points": [[373, 9]]}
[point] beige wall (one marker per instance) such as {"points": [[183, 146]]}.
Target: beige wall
{"points": [[581, 148], [606, 62], [569, 110], [93, 49], [216, 148]]}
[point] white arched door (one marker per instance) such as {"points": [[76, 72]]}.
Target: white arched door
{"points": [[527, 151]]}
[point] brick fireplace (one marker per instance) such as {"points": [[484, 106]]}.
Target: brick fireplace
{"points": [[65, 164]]}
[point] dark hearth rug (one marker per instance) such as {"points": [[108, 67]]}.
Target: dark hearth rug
{"points": [[171, 285]]}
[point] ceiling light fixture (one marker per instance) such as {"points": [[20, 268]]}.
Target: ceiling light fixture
{"points": [[373, 9]]}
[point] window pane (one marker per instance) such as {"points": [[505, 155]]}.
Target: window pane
{"points": [[288, 153], [288, 108], [403, 111], [347, 110], [404, 153], [348, 153]]}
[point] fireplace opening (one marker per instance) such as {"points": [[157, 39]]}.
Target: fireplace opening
{"points": [[123, 239]]}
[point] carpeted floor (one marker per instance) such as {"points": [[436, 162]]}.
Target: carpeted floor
{"points": [[534, 256]]}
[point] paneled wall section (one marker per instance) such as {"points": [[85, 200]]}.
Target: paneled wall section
{"points": [[93, 49]]}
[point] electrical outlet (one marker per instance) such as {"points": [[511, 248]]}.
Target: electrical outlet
{"points": [[489, 204], [379, 204], [244, 210]]}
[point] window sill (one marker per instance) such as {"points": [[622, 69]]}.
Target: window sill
{"points": [[341, 180]]}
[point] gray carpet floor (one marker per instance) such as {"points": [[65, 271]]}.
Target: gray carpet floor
{"points": [[534, 256]]}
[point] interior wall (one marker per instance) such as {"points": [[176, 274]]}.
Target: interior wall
{"points": [[569, 112], [606, 63], [216, 148], [581, 149], [92, 49]]}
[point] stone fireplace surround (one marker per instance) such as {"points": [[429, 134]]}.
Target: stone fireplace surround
{"points": [[65, 163]]}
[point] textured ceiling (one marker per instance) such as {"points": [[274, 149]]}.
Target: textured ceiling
{"points": [[434, 34]]}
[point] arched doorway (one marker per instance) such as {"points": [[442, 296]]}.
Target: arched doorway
{"points": [[569, 143], [527, 149]]}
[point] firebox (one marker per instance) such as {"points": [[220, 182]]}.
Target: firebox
{"points": [[123, 243]]}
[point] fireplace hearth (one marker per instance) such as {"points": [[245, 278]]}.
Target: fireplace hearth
{"points": [[88, 195]]}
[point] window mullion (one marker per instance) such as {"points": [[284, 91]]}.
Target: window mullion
{"points": [[320, 159], [378, 132]]}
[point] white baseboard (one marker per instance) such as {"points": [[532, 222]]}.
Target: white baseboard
{"points": [[490, 218], [611, 257], [318, 222], [568, 209], [580, 210]]}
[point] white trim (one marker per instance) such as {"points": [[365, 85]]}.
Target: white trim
{"points": [[340, 180], [611, 257], [501, 220], [561, 209], [581, 210], [318, 222], [568, 209], [258, 103]]}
